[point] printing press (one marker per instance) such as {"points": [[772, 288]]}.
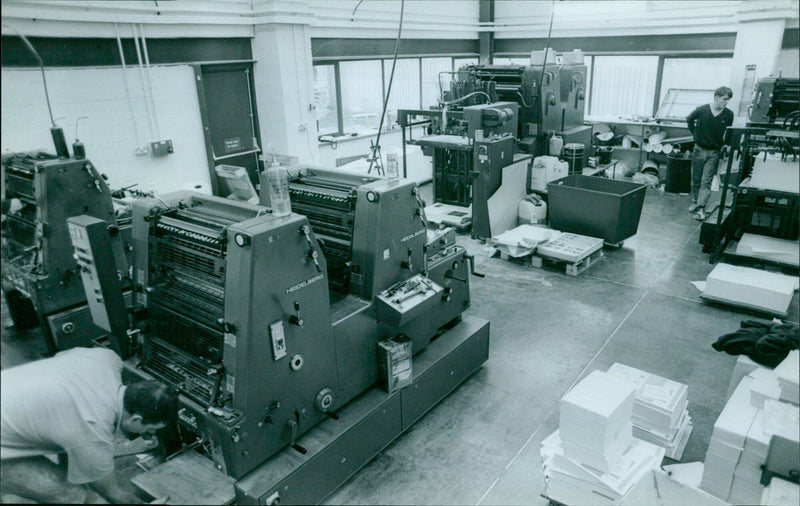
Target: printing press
{"points": [[270, 325], [40, 276]]}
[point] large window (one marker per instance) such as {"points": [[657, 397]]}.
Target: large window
{"points": [[362, 95], [431, 87], [623, 85], [695, 74], [327, 107], [405, 92]]}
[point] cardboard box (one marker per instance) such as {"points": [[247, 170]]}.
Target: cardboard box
{"points": [[394, 362]]}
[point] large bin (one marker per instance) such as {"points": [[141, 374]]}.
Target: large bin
{"points": [[595, 206], [679, 173]]}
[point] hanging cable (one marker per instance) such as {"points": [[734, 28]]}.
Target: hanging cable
{"points": [[141, 76], [376, 147], [149, 82], [41, 67], [540, 123], [127, 88]]}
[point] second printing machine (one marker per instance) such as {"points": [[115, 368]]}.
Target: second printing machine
{"points": [[268, 325]]}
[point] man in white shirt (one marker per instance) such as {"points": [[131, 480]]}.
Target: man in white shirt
{"points": [[73, 403]]}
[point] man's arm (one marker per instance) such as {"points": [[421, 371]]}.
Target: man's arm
{"points": [[691, 118]]}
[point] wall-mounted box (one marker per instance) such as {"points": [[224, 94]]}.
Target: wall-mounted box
{"points": [[161, 148]]}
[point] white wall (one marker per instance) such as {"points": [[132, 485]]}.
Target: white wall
{"points": [[788, 63], [108, 131]]}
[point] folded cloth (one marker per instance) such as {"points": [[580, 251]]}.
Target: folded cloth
{"points": [[765, 343]]}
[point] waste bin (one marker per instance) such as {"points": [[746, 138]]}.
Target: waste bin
{"points": [[679, 173], [595, 206]]}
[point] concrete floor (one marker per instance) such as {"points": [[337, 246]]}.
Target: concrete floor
{"points": [[548, 330]]}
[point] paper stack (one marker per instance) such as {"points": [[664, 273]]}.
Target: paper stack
{"points": [[764, 386], [776, 418], [727, 441], [741, 439], [780, 492], [770, 292], [522, 240], [593, 457], [788, 373], [660, 414]]}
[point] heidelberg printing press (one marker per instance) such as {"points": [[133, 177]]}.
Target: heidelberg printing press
{"points": [[39, 275], [269, 326]]}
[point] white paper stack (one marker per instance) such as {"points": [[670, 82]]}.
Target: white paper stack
{"points": [[595, 419], [574, 483], [660, 414], [522, 240], [770, 248], [764, 386], [780, 493], [593, 457], [776, 418], [727, 441], [750, 288], [788, 373]]}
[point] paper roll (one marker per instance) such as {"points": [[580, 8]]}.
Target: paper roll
{"points": [[666, 148], [656, 137], [648, 147], [657, 148]]}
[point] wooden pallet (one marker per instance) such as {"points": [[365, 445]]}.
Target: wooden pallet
{"points": [[570, 268]]}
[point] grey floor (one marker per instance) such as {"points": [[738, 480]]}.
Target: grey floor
{"points": [[548, 330]]}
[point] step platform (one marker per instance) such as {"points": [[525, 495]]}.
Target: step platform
{"points": [[337, 449]]}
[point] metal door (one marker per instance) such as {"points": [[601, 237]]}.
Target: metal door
{"points": [[230, 121]]}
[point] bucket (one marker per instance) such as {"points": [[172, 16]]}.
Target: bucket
{"points": [[679, 173], [604, 154], [573, 155]]}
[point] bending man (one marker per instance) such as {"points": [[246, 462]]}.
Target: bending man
{"points": [[73, 403]]}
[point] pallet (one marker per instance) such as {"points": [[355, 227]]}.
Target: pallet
{"points": [[570, 268]]}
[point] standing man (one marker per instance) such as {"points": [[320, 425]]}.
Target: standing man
{"points": [[707, 124], [73, 403]]}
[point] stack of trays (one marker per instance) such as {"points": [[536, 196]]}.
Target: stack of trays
{"points": [[593, 458], [788, 373], [660, 414]]}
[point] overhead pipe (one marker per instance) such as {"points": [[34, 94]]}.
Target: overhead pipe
{"points": [[141, 76], [149, 82], [127, 89]]}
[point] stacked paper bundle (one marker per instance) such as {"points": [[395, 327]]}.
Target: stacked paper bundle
{"points": [[522, 240], [727, 441], [593, 457], [780, 492], [776, 418], [741, 439], [788, 373], [660, 414]]}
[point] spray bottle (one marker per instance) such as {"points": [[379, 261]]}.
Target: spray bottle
{"points": [[278, 187]]}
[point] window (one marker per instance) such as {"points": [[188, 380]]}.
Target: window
{"points": [[431, 91], [327, 107], [460, 62], [362, 95], [624, 85], [405, 91], [695, 74]]}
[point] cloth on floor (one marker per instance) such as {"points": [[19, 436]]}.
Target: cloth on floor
{"points": [[764, 342]]}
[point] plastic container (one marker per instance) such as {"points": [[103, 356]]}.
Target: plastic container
{"points": [[573, 154], [532, 210], [679, 174], [392, 166], [555, 145], [595, 206], [278, 188]]}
